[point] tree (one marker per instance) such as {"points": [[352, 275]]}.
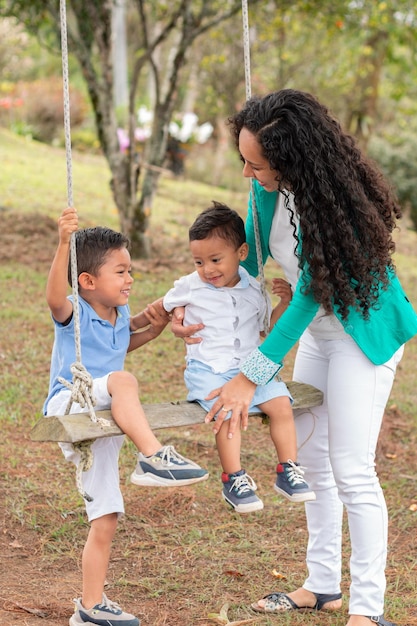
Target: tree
{"points": [[165, 34]]}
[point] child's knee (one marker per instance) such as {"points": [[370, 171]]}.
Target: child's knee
{"points": [[119, 380], [104, 527], [278, 409]]}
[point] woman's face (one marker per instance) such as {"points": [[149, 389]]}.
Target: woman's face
{"points": [[255, 164]]}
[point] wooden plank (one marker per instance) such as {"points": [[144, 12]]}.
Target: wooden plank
{"points": [[79, 427]]}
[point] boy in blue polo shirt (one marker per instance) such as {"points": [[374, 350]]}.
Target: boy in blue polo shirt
{"points": [[107, 332]]}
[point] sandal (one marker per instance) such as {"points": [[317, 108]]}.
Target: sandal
{"points": [[379, 619], [276, 602]]}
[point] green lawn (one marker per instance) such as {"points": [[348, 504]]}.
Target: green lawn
{"points": [[180, 554]]}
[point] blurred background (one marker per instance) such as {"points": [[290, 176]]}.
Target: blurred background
{"points": [[152, 84]]}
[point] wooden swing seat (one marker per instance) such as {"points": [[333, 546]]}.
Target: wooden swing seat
{"points": [[76, 427]]}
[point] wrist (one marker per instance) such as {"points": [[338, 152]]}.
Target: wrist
{"points": [[259, 369]]}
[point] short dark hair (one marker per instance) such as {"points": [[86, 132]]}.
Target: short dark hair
{"points": [[219, 221], [92, 246]]}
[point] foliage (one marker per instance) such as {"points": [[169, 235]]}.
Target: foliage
{"points": [[43, 109], [164, 34], [397, 160], [185, 55]]}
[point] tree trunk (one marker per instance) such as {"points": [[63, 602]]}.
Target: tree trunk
{"points": [[363, 110]]}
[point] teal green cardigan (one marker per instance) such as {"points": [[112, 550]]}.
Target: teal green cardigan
{"points": [[391, 323]]}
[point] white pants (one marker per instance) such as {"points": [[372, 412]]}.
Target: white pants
{"points": [[337, 443]]}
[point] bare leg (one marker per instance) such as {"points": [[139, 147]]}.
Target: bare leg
{"points": [[95, 559], [128, 413], [229, 449], [282, 428]]}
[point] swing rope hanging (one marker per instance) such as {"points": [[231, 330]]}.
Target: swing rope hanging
{"points": [[82, 386], [246, 55]]}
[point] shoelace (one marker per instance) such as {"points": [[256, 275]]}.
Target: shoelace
{"points": [[242, 484], [169, 455], [110, 605], [295, 473]]}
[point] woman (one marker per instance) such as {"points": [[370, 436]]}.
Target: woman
{"points": [[352, 318]]}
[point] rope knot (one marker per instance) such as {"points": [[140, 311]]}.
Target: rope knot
{"points": [[82, 392], [82, 387]]}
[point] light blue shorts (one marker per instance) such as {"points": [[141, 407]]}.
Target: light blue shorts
{"points": [[201, 380]]}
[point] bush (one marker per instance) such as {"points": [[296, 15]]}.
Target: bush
{"points": [[85, 140], [397, 161], [42, 108]]}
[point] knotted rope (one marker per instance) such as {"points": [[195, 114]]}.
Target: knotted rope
{"points": [[82, 386], [259, 260]]}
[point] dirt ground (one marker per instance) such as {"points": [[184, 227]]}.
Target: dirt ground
{"points": [[33, 586]]}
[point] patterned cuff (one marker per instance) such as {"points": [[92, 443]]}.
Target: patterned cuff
{"points": [[259, 369]]}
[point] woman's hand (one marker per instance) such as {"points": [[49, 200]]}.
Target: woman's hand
{"points": [[235, 396], [184, 332]]}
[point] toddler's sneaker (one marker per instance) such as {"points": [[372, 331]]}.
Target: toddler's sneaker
{"points": [[166, 468], [108, 613], [291, 484], [239, 492]]}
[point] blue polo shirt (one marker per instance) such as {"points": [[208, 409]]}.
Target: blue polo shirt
{"points": [[103, 346]]}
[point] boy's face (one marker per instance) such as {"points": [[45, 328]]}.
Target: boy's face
{"points": [[111, 287], [217, 261]]}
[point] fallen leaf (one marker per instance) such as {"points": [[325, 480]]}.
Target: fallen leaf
{"points": [[15, 544], [278, 575], [389, 455], [413, 507], [234, 573]]}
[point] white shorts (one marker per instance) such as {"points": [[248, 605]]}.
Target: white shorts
{"points": [[101, 481]]}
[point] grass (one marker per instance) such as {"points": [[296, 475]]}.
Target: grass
{"points": [[179, 555]]}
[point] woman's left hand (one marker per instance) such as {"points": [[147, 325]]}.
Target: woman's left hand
{"points": [[235, 396]]}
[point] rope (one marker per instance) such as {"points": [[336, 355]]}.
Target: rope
{"points": [[246, 47], [259, 260], [84, 464], [82, 386]]}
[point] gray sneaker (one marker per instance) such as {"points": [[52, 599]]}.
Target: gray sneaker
{"points": [[107, 612], [239, 491], [166, 468], [291, 484]]}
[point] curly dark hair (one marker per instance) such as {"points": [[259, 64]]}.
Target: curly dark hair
{"points": [[347, 210]]}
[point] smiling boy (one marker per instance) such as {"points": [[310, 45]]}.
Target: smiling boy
{"points": [[229, 309], [107, 332]]}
